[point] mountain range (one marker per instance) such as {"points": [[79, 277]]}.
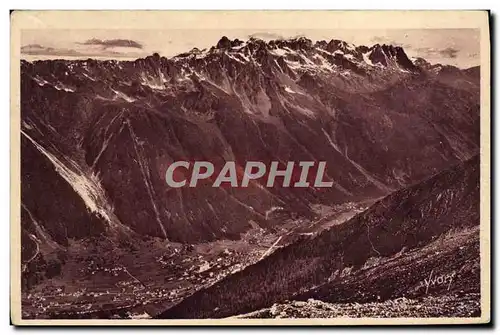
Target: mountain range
{"points": [[97, 137]]}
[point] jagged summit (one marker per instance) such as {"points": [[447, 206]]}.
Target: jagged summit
{"points": [[301, 52], [294, 56], [302, 43], [294, 62]]}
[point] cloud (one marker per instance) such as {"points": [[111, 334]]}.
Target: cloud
{"points": [[448, 52], [267, 36], [378, 39], [40, 50], [37, 49], [383, 40], [123, 43]]}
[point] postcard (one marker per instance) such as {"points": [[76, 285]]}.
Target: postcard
{"points": [[250, 167]]}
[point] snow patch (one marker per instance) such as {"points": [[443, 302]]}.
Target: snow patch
{"points": [[293, 64], [61, 87], [89, 77], [123, 96], [325, 64], [236, 59], [40, 81], [153, 84], [239, 47], [279, 52], [88, 188]]}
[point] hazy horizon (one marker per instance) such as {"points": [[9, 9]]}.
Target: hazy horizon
{"points": [[458, 47]]}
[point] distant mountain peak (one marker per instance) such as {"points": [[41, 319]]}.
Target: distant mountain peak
{"points": [[384, 54], [328, 55]]}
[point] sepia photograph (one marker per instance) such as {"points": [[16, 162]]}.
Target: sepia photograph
{"points": [[250, 167]]}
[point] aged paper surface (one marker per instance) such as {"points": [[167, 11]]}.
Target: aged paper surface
{"points": [[250, 167]]}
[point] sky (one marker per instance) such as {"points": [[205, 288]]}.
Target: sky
{"points": [[458, 47]]}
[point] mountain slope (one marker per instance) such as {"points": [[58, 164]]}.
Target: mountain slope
{"points": [[419, 233], [378, 120]]}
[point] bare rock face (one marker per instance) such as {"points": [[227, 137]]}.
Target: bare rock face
{"points": [[385, 54], [97, 136], [224, 43]]}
